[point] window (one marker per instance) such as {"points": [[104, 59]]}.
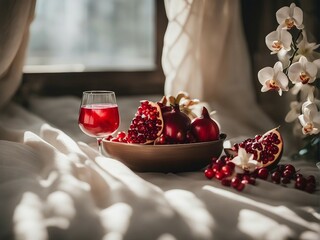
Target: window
{"points": [[82, 35], [80, 44]]}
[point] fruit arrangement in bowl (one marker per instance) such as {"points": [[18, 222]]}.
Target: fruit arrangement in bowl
{"points": [[167, 136]]}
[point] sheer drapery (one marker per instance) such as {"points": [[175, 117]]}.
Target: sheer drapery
{"points": [[15, 19], [205, 54]]}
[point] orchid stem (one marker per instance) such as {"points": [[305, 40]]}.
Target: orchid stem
{"points": [[295, 50]]}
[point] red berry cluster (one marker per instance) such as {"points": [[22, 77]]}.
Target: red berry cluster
{"points": [[223, 169], [121, 137], [285, 173]]}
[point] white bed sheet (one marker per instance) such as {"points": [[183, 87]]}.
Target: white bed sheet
{"points": [[55, 185]]}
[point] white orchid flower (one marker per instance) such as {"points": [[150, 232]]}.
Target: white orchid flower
{"points": [[279, 40], [288, 17], [303, 71], [273, 78], [294, 113], [245, 162], [306, 49], [303, 89], [310, 118]]}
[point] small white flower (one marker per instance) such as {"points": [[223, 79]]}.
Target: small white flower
{"points": [[310, 118], [279, 40], [273, 78], [303, 71], [306, 49], [288, 17], [245, 161], [294, 113]]}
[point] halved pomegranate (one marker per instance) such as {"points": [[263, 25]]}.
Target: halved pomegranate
{"points": [[266, 149], [147, 124]]}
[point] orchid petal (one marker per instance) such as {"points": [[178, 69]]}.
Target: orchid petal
{"points": [[294, 72], [265, 74], [282, 14], [283, 81], [298, 17], [286, 39]]}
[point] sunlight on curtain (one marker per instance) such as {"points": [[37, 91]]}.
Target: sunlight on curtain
{"points": [[205, 54]]}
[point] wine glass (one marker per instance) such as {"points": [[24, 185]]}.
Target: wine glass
{"points": [[99, 114]]}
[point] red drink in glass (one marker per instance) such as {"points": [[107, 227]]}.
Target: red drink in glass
{"points": [[99, 120]]}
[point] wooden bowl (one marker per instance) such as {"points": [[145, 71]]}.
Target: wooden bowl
{"points": [[164, 158]]}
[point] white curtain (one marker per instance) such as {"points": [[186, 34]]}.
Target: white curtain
{"points": [[15, 19], [205, 54]]}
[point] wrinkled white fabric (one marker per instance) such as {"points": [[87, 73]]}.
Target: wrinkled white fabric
{"points": [[54, 186]]}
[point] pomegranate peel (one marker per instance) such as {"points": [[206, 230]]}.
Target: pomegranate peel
{"points": [[176, 125], [204, 128], [266, 149]]}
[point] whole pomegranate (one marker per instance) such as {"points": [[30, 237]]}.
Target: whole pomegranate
{"points": [[204, 128], [175, 125]]}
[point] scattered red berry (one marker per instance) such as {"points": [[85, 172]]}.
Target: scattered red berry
{"points": [[209, 173], [223, 169], [276, 177], [263, 173]]}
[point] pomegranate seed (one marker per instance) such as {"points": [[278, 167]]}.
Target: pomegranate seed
{"points": [[216, 168], [226, 170], [209, 173], [263, 173], [291, 168], [240, 187], [242, 145], [276, 177], [311, 179], [235, 181], [300, 183], [287, 173], [219, 175], [257, 137]]}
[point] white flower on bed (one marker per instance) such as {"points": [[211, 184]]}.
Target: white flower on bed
{"points": [[245, 161]]}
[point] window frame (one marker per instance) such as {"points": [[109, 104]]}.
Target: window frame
{"points": [[124, 83]]}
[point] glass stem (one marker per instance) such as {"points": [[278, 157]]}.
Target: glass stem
{"points": [[99, 140]]}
